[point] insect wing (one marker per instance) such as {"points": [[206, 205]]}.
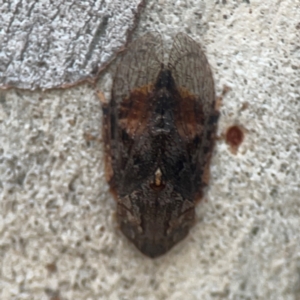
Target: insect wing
{"points": [[196, 115], [134, 81], [139, 66], [191, 71]]}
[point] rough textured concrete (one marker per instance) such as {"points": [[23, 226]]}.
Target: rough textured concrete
{"points": [[58, 235], [52, 43]]}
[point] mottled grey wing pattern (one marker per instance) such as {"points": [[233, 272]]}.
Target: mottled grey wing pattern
{"points": [[191, 70], [139, 66]]}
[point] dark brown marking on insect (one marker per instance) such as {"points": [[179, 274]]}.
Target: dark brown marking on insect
{"points": [[234, 137], [159, 131]]}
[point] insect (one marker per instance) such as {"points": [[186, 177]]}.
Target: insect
{"points": [[159, 130]]}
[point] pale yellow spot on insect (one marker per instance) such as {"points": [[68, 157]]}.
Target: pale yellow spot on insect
{"points": [[158, 175]]}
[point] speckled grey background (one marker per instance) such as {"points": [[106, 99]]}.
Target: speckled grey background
{"points": [[52, 43], [58, 234]]}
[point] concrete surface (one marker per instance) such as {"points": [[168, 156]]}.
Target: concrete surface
{"points": [[58, 234]]}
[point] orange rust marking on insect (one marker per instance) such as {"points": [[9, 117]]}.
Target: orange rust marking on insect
{"points": [[136, 109], [188, 115], [234, 137]]}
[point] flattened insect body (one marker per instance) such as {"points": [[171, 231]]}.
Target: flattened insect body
{"points": [[159, 131]]}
